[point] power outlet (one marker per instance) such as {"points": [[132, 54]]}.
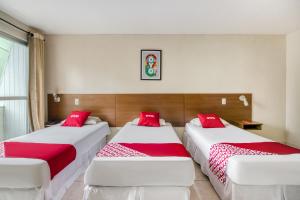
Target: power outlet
{"points": [[76, 102], [224, 101]]}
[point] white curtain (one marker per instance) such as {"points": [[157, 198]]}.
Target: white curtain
{"points": [[13, 89], [36, 81]]}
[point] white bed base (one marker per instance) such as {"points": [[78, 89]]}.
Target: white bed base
{"points": [[233, 191], [136, 193]]}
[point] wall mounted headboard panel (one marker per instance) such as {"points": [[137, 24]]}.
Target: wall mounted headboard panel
{"points": [[170, 107], [178, 109], [101, 105], [208, 103]]}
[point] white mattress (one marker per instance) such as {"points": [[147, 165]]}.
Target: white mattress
{"points": [[142, 171], [86, 140], [246, 169]]}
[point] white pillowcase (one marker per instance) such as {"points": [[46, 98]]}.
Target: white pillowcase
{"points": [[91, 120], [162, 122], [197, 122]]}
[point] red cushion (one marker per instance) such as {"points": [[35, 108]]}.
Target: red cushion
{"points": [[76, 118], [210, 121], [149, 119]]}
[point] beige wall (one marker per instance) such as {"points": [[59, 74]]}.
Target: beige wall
{"points": [[293, 89], [191, 64]]}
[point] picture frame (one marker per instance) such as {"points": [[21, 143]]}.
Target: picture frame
{"points": [[151, 68]]}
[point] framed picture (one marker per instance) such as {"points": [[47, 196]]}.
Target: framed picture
{"points": [[150, 64]]}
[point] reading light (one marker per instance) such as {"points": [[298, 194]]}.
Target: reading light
{"points": [[244, 100], [56, 98]]}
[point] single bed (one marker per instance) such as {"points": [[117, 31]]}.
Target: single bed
{"points": [[29, 179], [143, 178], [249, 177]]}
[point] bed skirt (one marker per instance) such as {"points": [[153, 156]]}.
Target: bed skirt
{"points": [[136, 193]]}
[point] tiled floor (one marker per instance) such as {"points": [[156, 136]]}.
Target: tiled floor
{"points": [[201, 190]]}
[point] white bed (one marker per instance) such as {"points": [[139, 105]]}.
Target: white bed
{"points": [[256, 177], [29, 179], [143, 178]]}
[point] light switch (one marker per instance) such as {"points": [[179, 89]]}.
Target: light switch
{"points": [[76, 102], [224, 101]]}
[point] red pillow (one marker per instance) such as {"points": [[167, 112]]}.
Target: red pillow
{"points": [[210, 121], [76, 118], [149, 119]]}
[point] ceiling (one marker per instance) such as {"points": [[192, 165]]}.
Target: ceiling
{"points": [[157, 16]]}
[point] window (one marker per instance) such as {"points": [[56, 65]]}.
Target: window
{"points": [[13, 89]]}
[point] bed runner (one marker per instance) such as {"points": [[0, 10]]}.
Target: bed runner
{"points": [[58, 156], [143, 150], [221, 152]]}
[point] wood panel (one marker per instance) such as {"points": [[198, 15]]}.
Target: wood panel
{"points": [[178, 109], [170, 107], [101, 105], [211, 103]]}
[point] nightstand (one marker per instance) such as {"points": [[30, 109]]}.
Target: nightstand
{"points": [[247, 124]]}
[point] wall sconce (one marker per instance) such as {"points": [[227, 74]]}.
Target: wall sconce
{"points": [[56, 98], [244, 100]]}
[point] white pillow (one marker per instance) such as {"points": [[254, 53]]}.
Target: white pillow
{"points": [[162, 122], [91, 120], [197, 122], [224, 122]]}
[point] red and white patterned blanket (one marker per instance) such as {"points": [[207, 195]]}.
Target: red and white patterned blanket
{"points": [[143, 150], [118, 150], [221, 152]]}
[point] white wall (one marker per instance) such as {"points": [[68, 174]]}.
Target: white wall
{"points": [[293, 89], [191, 64]]}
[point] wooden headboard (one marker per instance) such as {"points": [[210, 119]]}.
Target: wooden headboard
{"points": [[211, 103], [117, 109], [101, 105], [170, 107]]}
